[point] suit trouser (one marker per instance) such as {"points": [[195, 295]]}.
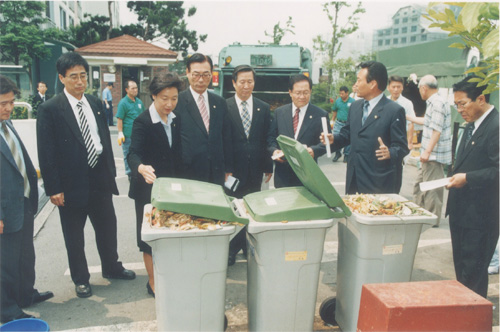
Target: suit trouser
{"points": [[431, 200], [472, 252], [17, 267], [101, 213]]}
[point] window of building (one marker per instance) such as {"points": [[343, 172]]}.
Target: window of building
{"points": [[404, 30], [403, 40], [62, 19], [388, 42], [414, 28], [396, 21], [380, 33], [394, 41], [380, 42], [71, 22], [388, 32], [48, 6], [413, 39], [423, 38], [405, 20], [396, 31], [414, 19]]}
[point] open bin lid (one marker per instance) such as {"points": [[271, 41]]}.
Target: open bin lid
{"points": [[197, 198]]}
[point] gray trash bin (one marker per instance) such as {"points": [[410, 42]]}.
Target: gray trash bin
{"points": [[190, 267], [286, 234], [371, 249]]}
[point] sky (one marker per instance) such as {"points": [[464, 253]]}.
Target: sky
{"points": [[228, 21]]}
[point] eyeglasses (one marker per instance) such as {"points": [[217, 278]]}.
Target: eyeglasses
{"points": [[462, 105], [76, 77], [197, 75], [302, 93]]}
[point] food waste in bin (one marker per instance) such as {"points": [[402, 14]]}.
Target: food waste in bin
{"points": [[373, 205]]}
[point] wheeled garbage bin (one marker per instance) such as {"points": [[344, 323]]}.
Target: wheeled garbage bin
{"points": [[286, 234], [190, 266], [372, 249]]}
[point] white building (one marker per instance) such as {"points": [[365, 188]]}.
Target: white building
{"points": [[65, 14]]}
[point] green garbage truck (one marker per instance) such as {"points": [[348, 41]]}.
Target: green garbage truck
{"points": [[273, 65]]}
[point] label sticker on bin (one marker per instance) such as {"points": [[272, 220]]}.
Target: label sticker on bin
{"points": [[392, 250], [295, 256], [176, 187], [270, 201]]}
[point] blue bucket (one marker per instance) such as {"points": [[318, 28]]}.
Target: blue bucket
{"points": [[26, 324]]}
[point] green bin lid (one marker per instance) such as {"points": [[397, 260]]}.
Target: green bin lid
{"points": [[197, 198], [309, 173]]}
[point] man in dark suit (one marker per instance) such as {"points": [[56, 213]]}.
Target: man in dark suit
{"points": [[473, 197], [376, 131], [250, 127], [78, 169], [300, 120], [40, 97], [19, 203], [205, 130]]}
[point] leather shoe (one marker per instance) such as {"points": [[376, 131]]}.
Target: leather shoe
{"points": [[150, 290], [39, 297], [21, 316], [83, 290], [337, 157], [124, 274], [231, 259]]}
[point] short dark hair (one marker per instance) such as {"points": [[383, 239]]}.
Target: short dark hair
{"points": [[127, 82], [110, 84], [298, 78], [377, 72], [69, 60], [396, 78], [200, 58], [163, 81], [344, 88], [6, 86], [42, 82], [471, 89], [242, 69]]}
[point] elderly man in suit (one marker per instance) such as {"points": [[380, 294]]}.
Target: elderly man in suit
{"points": [[205, 130], [376, 130], [473, 197], [78, 170], [19, 202], [300, 120], [250, 121]]}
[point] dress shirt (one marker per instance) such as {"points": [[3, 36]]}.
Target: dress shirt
{"points": [[16, 141], [106, 94], [478, 122], [373, 102], [155, 118], [437, 117], [196, 95], [407, 105], [302, 114], [41, 96], [249, 106], [94, 131]]}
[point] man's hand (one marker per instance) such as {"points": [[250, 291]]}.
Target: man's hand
{"points": [[227, 175], [329, 136], [57, 199], [278, 156], [1, 226], [107, 105], [268, 177], [457, 181], [311, 152], [383, 152], [424, 157], [121, 138], [147, 172], [410, 146]]}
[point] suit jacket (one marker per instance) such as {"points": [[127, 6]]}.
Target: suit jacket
{"points": [[205, 156], [476, 204], [12, 188], [36, 100], [250, 156], [309, 134], [150, 146], [62, 153], [387, 121]]}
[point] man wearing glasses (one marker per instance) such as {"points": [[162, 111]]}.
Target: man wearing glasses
{"points": [[205, 127], [301, 121], [435, 151], [78, 170]]}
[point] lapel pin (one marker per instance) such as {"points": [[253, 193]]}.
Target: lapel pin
{"points": [[310, 116], [472, 143], [214, 106], [258, 109], [98, 112], [376, 117]]}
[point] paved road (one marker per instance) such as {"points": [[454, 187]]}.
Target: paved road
{"points": [[125, 305]]}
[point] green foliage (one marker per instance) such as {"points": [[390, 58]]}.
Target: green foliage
{"points": [[164, 19], [319, 93], [279, 32], [20, 113], [477, 25], [329, 48]]}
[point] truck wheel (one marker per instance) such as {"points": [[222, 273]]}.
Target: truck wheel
{"points": [[225, 322], [327, 311]]}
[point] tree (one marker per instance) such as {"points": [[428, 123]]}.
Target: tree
{"points": [[331, 47], [20, 37], [279, 32], [477, 25], [164, 20]]}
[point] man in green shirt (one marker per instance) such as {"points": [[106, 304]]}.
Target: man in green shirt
{"points": [[129, 108], [340, 110]]}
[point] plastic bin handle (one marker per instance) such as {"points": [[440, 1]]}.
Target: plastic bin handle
{"points": [[239, 210]]}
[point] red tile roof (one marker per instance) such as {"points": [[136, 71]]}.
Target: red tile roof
{"points": [[126, 46]]}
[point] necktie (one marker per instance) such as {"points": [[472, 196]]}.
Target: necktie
{"points": [[87, 138], [296, 120], [468, 133], [204, 112], [365, 112], [17, 158], [245, 118]]}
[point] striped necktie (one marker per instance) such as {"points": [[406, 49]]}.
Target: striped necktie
{"points": [[204, 112], [365, 112], [87, 138], [17, 158], [296, 120], [245, 118]]}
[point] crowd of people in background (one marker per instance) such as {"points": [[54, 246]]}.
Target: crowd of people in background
{"points": [[195, 134]]}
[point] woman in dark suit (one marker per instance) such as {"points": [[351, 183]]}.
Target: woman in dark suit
{"points": [[155, 152]]}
